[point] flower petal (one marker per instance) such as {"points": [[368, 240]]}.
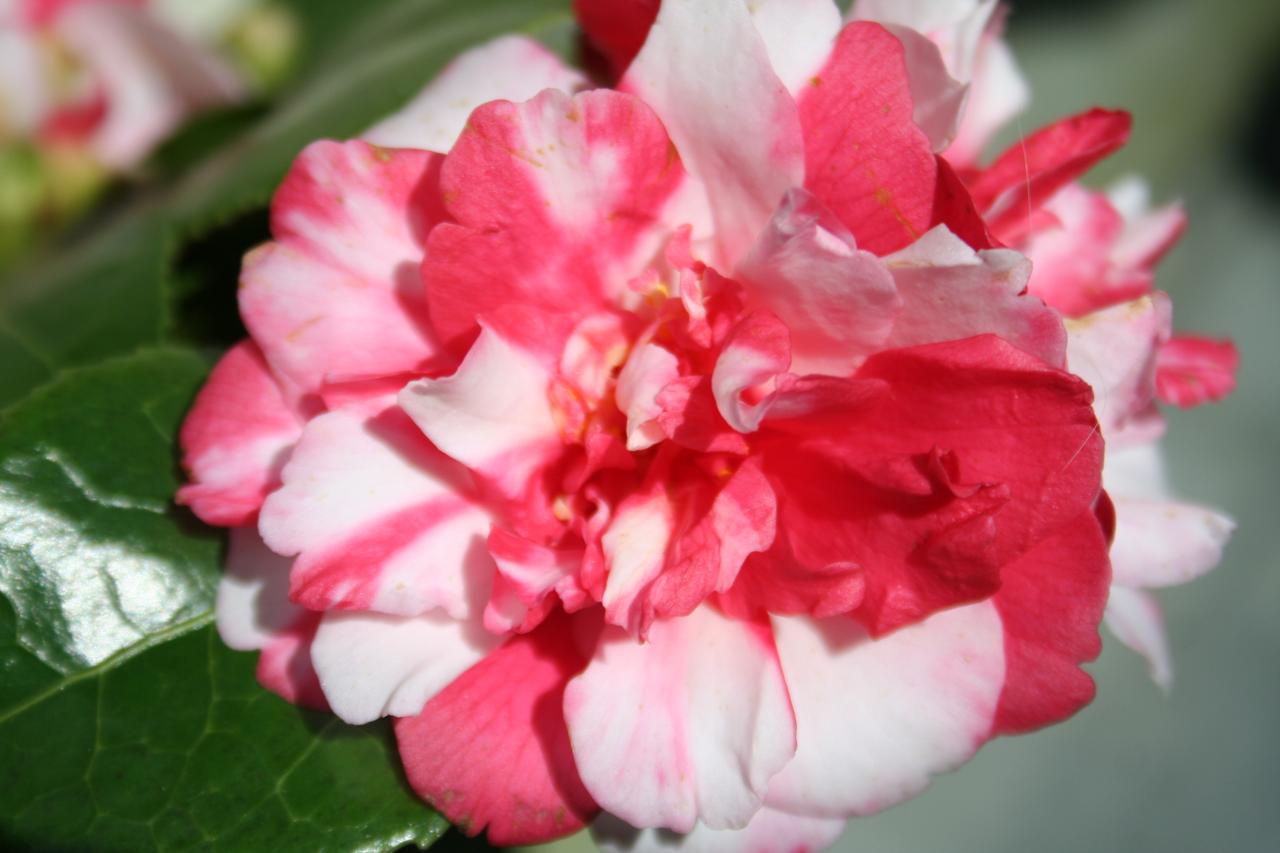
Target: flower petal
{"points": [[491, 749], [769, 831], [1051, 601], [1192, 370], [1159, 541], [1115, 351], [338, 293], [648, 370], [865, 158], [838, 303], [371, 665], [757, 351], [732, 120], [235, 439], [876, 719], [1135, 618], [380, 520], [1032, 170], [687, 727], [512, 68], [558, 201], [951, 292], [492, 415], [968, 455]]}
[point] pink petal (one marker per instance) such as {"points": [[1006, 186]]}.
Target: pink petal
{"points": [[1074, 267], [758, 350], [1159, 541], [1192, 370], [491, 749], [635, 550], [877, 719], [838, 303], [527, 575], [1148, 234], [648, 370], [1135, 618], [371, 665], [493, 415], [1032, 170], [708, 553], [235, 439], [338, 295], [770, 831], [284, 666], [1114, 350], [730, 117], [687, 727], [1000, 448], [865, 158], [1051, 601], [511, 67], [379, 519], [950, 292], [559, 201]]}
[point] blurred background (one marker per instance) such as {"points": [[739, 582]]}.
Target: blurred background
{"points": [[1199, 769]]}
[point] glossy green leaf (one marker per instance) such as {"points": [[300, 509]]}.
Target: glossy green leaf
{"points": [[124, 722]]}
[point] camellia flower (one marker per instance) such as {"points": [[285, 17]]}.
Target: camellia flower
{"points": [[689, 455]]}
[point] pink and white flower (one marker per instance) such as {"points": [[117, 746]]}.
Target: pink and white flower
{"points": [[689, 452]]}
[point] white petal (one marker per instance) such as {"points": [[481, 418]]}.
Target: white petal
{"points": [[875, 719], [371, 665]]}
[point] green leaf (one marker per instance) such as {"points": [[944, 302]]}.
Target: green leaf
{"points": [[178, 748], [124, 722]]}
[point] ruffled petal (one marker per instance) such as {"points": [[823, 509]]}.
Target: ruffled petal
{"points": [[235, 439], [558, 201], [951, 292], [379, 520], [338, 294], [1051, 601], [839, 303], [254, 612], [1029, 172], [1192, 370], [1115, 351], [491, 750], [687, 727], [493, 415], [1159, 541]]}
